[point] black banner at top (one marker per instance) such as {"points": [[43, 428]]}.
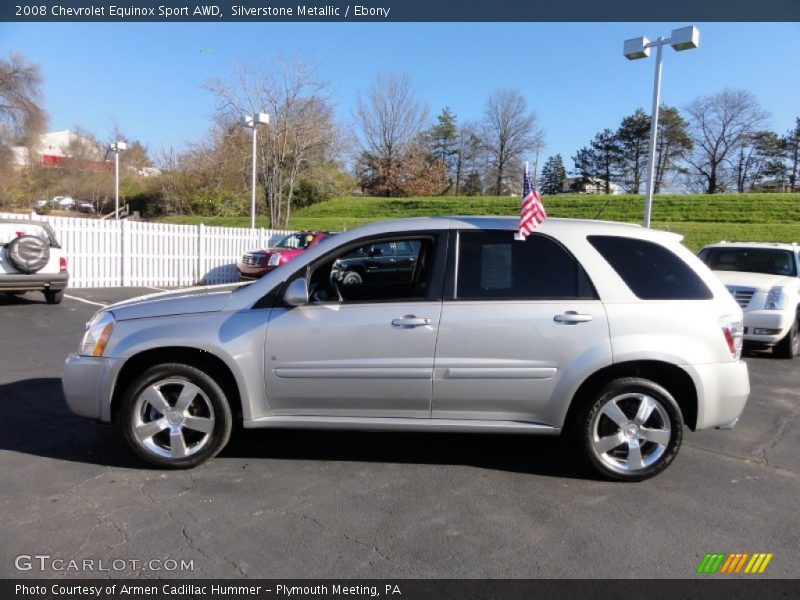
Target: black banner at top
{"points": [[400, 10]]}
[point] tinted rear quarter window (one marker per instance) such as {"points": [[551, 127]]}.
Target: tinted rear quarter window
{"points": [[650, 270]]}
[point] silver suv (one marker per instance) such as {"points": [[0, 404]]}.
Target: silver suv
{"points": [[614, 335]]}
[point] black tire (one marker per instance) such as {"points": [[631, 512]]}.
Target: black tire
{"points": [[28, 254], [592, 425], [53, 296], [789, 346], [153, 450]]}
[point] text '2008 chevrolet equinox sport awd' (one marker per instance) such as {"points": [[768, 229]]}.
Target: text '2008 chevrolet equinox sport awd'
{"points": [[612, 334]]}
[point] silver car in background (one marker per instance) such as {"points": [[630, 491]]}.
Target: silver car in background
{"points": [[614, 335]]}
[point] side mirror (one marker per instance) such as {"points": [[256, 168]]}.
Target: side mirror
{"points": [[297, 292]]}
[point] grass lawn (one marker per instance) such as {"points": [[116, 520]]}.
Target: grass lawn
{"points": [[702, 219]]}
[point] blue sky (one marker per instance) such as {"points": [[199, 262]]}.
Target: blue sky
{"points": [[147, 78]]}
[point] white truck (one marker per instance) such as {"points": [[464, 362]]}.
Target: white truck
{"points": [[764, 278]]}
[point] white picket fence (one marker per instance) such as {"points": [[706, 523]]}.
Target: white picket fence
{"points": [[134, 253]]}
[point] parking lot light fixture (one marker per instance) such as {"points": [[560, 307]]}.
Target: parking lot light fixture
{"points": [[116, 147], [683, 38], [253, 121]]}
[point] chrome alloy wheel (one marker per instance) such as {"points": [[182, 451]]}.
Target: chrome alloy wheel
{"points": [[630, 432], [173, 418]]}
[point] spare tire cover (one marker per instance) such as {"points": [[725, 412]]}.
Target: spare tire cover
{"points": [[28, 254]]}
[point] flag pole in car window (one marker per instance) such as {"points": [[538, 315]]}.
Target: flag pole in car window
{"points": [[532, 212]]}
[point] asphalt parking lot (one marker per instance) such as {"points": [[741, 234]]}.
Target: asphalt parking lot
{"points": [[338, 504]]}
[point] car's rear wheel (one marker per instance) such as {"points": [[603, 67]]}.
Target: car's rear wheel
{"points": [[789, 346], [631, 431], [53, 296], [175, 416]]}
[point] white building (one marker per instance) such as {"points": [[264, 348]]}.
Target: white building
{"points": [[53, 148]]}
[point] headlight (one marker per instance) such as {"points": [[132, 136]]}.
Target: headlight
{"points": [[275, 260], [775, 299], [98, 330]]}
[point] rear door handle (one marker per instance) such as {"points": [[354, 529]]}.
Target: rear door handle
{"points": [[572, 318], [409, 321]]}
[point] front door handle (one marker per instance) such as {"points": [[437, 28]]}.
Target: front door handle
{"points": [[409, 321], [572, 317]]}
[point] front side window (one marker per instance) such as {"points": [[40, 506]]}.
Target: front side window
{"points": [[494, 265], [375, 272], [651, 271]]}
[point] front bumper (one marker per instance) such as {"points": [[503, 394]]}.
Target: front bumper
{"points": [[777, 320], [36, 282], [87, 384], [722, 392], [253, 272]]}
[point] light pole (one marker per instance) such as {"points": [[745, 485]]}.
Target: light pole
{"points": [[253, 122], [116, 147], [685, 38]]}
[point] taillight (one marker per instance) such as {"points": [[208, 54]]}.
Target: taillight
{"points": [[732, 330], [62, 264]]}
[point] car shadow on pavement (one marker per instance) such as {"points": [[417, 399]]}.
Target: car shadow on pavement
{"points": [[43, 426], [7, 299], [547, 456]]}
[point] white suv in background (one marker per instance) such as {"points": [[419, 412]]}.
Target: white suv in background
{"points": [[764, 278], [31, 260]]}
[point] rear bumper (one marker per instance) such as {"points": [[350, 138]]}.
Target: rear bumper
{"points": [[37, 282], [722, 392], [88, 383]]}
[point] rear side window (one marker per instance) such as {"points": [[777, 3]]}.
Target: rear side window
{"points": [[650, 270], [9, 231], [493, 265]]}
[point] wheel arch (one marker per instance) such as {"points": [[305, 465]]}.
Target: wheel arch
{"points": [[668, 375], [209, 363]]}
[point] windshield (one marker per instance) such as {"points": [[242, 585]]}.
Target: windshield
{"points": [[296, 240], [751, 260]]}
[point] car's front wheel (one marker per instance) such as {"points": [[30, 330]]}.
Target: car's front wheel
{"points": [[631, 431], [175, 416]]}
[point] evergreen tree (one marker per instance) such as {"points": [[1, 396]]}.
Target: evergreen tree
{"points": [[632, 137], [443, 143], [553, 175], [791, 143], [599, 163], [672, 145]]}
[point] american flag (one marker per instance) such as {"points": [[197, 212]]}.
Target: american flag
{"points": [[532, 210]]}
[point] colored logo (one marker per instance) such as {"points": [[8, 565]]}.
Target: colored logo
{"points": [[740, 562]]}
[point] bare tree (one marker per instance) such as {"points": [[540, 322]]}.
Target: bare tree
{"points": [[719, 124], [508, 131], [390, 117], [301, 125], [21, 117]]}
